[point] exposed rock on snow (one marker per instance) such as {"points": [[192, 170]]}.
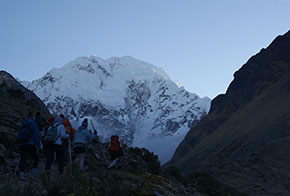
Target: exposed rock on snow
{"points": [[124, 96]]}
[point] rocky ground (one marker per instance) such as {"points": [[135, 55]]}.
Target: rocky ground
{"points": [[138, 172]]}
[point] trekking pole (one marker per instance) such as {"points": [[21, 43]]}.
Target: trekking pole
{"points": [[100, 143], [69, 150], [16, 169]]}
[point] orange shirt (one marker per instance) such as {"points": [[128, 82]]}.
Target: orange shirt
{"points": [[68, 128]]}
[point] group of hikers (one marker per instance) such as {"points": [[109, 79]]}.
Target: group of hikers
{"points": [[56, 138]]}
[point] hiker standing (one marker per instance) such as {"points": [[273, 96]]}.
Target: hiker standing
{"points": [[46, 126], [66, 141], [53, 143], [81, 136], [115, 148], [40, 121], [28, 140]]}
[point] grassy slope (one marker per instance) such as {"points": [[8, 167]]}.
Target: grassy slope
{"points": [[250, 139], [244, 140]]}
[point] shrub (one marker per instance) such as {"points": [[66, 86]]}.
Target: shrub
{"points": [[176, 173], [14, 188], [149, 158], [211, 186], [72, 183]]}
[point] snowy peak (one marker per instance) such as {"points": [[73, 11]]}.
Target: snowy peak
{"points": [[124, 96], [127, 67], [100, 79]]}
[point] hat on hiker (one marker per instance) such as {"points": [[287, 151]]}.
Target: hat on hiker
{"points": [[37, 114], [62, 116], [85, 123]]}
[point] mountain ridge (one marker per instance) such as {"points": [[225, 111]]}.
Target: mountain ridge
{"points": [[236, 140], [124, 96]]}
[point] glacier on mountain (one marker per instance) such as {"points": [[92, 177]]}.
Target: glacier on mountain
{"points": [[124, 96]]}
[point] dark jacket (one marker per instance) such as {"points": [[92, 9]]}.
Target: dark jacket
{"points": [[35, 133]]}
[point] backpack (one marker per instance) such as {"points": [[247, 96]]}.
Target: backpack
{"points": [[52, 134], [68, 128], [24, 134], [115, 144]]}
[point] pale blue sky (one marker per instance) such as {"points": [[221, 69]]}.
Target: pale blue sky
{"points": [[199, 43]]}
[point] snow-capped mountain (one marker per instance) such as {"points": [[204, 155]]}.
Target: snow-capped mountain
{"points": [[124, 96]]}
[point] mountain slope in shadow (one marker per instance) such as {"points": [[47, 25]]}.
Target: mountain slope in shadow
{"points": [[244, 140]]}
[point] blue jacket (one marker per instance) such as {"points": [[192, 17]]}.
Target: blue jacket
{"points": [[81, 136], [35, 133]]}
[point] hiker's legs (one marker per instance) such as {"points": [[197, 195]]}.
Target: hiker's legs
{"points": [[44, 148], [81, 157], [65, 151], [80, 152], [59, 157], [33, 153], [35, 156], [114, 155], [49, 156], [23, 157], [25, 151]]}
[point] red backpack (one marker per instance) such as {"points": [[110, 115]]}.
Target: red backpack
{"points": [[115, 144]]}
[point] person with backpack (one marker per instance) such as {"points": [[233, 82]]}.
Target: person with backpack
{"points": [[81, 136], [46, 126], [28, 140], [66, 142], [115, 148], [53, 143], [40, 121]]}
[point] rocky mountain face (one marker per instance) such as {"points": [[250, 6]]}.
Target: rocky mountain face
{"points": [[245, 139], [124, 96], [15, 103]]}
